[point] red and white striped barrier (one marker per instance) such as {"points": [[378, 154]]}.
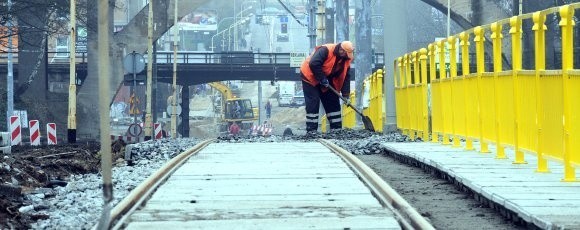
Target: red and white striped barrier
{"points": [[15, 130], [51, 133], [158, 134], [264, 130], [34, 132], [127, 139]]}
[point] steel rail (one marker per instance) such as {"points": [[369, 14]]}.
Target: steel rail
{"points": [[407, 216], [142, 192]]}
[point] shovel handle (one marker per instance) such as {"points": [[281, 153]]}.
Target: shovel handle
{"points": [[345, 100]]}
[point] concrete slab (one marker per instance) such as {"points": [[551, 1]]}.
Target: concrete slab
{"points": [[263, 186], [280, 224], [535, 197]]}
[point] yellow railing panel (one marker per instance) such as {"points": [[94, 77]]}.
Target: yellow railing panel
{"points": [[472, 115], [399, 107], [526, 101], [506, 106], [552, 103], [458, 109], [488, 107], [575, 116], [436, 108], [414, 105], [446, 106]]}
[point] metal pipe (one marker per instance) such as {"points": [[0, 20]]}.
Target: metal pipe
{"points": [[311, 21], [148, 120], [174, 99], [72, 89], [10, 77], [448, 18], [320, 22], [329, 22], [104, 100], [342, 33]]}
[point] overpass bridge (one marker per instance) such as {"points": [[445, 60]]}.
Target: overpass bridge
{"points": [[195, 68]]}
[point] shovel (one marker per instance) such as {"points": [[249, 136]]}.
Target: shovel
{"points": [[365, 119]]}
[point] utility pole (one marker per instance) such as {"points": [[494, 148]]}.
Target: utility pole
{"points": [[329, 11], [448, 19], [363, 36], [311, 21], [72, 88], [174, 98], [396, 20], [148, 121], [10, 77], [104, 100], [342, 21], [320, 19], [235, 25]]}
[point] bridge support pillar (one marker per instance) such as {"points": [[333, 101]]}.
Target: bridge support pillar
{"points": [[184, 127]]}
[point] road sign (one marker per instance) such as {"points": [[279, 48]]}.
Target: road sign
{"points": [[134, 130], [283, 19], [136, 59], [296, 59]]}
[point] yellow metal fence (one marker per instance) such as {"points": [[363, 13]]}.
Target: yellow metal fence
{"points": [[375, 110], [535, 111]]}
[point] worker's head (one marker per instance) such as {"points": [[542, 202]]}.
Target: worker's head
{"points": [[346, 49]]}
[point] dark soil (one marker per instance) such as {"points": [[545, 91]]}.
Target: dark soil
{"points": [[34, 167]]}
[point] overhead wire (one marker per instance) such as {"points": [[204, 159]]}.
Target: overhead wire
{"points": [[293, 16]]}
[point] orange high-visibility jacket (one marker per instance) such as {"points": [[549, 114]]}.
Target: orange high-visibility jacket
{"points": [[337, 79]]}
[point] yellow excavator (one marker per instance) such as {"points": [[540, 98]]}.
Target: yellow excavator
{"points": [[234, 109]]}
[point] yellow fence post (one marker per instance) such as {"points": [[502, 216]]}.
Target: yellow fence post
{"points": [[540, 28], [464, 42], [323, 124], [496, 36], [379, 100], [442, 77], [415, 100], [432, 74], [516, 35], [451, 40], [408, 95], [424, 108], [480, 60], [396, 77], [567, 30], [401, 109], [372, 111]]}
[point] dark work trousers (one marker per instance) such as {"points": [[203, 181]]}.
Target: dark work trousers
{"points": [[330, 101]]}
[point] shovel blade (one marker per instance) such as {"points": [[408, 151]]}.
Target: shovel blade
{"points": [[368, 123]]}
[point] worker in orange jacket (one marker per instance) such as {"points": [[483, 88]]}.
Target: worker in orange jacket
{"points": [[328, 65]]}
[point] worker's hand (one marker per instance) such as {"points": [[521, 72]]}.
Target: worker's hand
{"points": [[324, 82], [346, 95], [346, 102]]}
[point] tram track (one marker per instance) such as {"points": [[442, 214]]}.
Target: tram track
{"points": [[404, 214], [407, 216], [147, 187]]}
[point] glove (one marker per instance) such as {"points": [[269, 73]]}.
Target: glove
{"points": [[346, 95], [346, 102], [324, 82]]}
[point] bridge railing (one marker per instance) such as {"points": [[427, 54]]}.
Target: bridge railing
{"points": [[530, 110], [189, 57], [53, 57], [237, 58]]}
